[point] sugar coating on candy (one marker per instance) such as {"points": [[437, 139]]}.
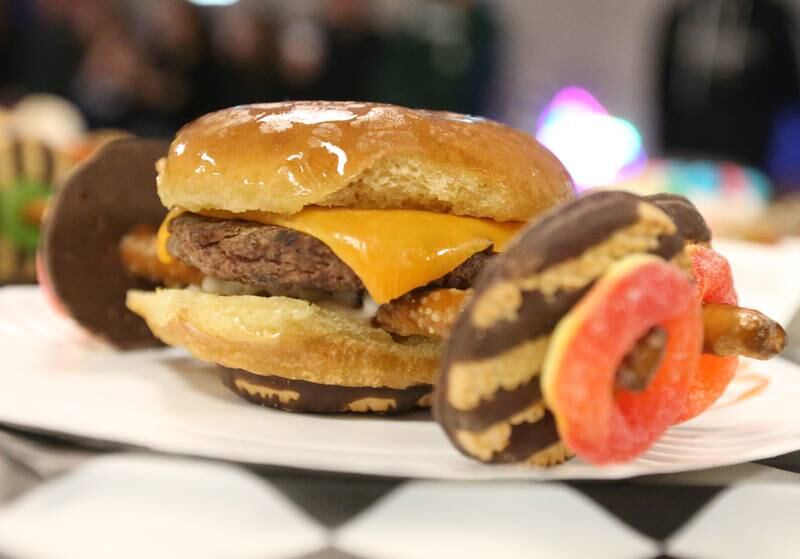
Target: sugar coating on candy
{"points": [[713, 376], [599, 421], [712, 273]]}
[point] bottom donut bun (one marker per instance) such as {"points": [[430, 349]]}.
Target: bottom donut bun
{"points": [[284, 351], [304, 396]]}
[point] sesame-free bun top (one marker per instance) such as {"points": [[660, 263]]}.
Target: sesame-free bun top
{"points": [[281, 157]]}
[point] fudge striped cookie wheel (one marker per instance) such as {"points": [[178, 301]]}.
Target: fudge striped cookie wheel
{"points": [[488, 396]]}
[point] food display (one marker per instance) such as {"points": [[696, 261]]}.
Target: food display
{"points": [[325, 231], [605, 322], [333, 257]]}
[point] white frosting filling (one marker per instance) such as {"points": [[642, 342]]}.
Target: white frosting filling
{"points": [[366, 312], [217, 286]]}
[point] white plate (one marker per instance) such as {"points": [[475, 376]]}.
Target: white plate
{"points": [[53, 377]]}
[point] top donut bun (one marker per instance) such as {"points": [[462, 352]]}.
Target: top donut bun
{"points": [[281, 157]]}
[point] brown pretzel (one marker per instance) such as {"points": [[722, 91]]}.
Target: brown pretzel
{"points": [[429, 314], [730, 330]]}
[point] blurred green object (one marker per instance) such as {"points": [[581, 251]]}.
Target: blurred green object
{"points": [[21, 206]]}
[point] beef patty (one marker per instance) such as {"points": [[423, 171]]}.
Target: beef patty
{"points": [[276, 259]]}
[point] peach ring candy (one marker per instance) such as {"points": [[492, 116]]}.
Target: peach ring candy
{"points": [[714, 279], [597, 417]]}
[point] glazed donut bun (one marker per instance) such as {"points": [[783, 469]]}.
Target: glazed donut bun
{"points": [[287, 337], [282, 157]]}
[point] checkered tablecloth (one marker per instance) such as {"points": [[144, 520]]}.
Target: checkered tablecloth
{"points": [[65, 499]]}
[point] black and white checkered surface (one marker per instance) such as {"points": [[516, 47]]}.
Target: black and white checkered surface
{"points": [[62, 500]]}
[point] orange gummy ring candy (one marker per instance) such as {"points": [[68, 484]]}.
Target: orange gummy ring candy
{"points": [[597, 420], [714, 279]]}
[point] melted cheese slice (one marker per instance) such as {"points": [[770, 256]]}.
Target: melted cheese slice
{"points": [[392, 251]]}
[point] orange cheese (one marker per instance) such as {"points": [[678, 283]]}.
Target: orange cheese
{"points": [[163, 235], [392, 251]]}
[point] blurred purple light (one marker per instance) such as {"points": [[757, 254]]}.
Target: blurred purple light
{"points": [[595, 147]]}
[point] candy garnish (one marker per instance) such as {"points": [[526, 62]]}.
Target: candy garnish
{"points": [[597, 419]]}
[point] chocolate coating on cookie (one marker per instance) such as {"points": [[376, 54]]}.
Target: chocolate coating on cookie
{"points": [[312, 397], [525, 436], [566, 238], [487, 397], [497, 409], [100, 202], [690, 222]]}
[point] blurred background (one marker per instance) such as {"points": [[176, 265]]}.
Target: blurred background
{"points": [[700, 97], [692, 75]]}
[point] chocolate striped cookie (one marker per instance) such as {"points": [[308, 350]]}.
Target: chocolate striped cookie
{"points": [[488, 397], [690, 223]]}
